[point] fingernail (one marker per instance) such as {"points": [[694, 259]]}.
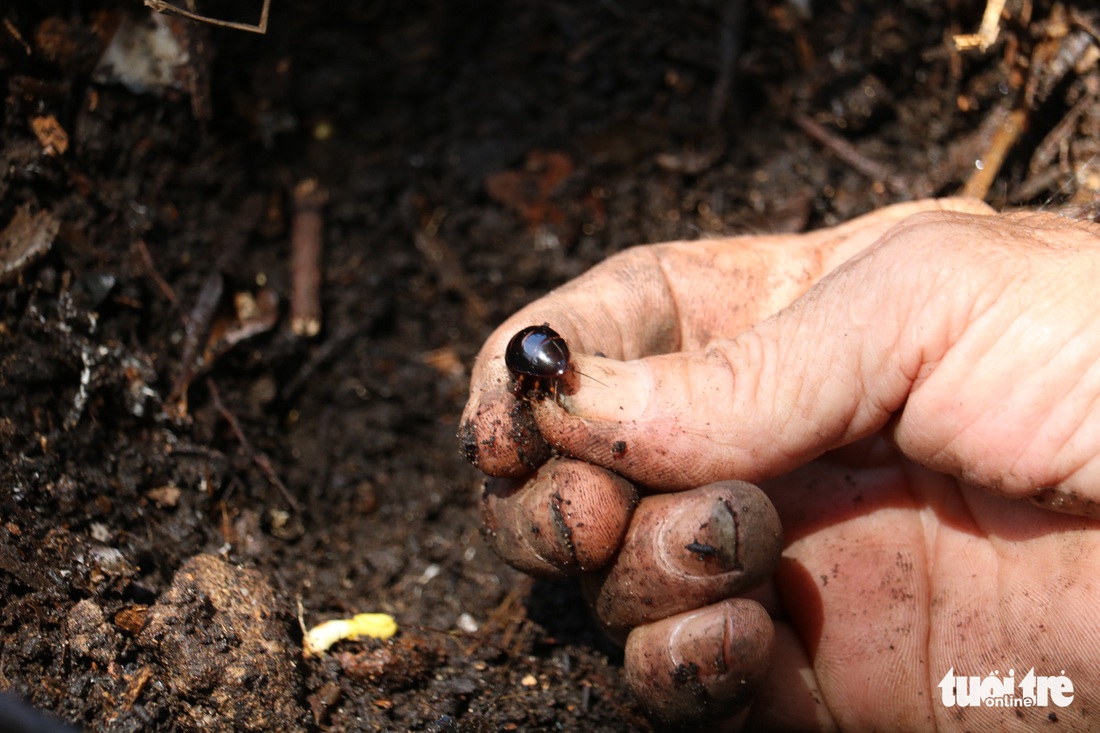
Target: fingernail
{"points": [[723, 644], [607, 389], [702, 638], [568, 518], [701, 665], [701, 538]]}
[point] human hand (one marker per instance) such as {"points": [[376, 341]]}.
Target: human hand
{"points": [[914, 393]]}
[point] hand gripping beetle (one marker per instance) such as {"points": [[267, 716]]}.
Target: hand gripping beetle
{"points": [[537, 354]]}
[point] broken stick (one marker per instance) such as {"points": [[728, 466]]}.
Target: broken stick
{"points": [[848, 153], [305, 243]]}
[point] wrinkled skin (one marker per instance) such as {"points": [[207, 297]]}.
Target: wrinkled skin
{"points": [[915, 393]]}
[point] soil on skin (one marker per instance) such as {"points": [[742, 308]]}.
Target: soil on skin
{"points": [[182, 473]]}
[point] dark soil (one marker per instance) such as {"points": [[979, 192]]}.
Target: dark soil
{"points": [[181, 470]]}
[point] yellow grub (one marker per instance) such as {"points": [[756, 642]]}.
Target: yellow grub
{"points": [[324, 635]]}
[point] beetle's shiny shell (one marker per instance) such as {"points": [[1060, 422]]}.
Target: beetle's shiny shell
{"points": [[537, 351]]}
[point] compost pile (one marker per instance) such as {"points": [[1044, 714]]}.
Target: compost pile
{"points": [[243, 278]]}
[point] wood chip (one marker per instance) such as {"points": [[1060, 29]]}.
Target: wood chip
{"points": [[53, 138], [165, 496], [131, 619], [137, 682]]}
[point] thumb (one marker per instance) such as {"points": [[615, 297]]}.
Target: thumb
{"points": [[829, 369]]}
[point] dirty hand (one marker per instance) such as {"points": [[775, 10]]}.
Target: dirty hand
{"points": [[914, 391]]}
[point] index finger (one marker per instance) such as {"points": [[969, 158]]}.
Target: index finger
{"points": [[659, 299]]}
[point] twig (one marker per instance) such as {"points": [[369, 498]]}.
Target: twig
{"points": [[306, 234], [163, 7], [136, 683], [1007, 130], [1082, 21], [1035, 184], [17, 35], [322, 354], [196, 72], [153, 273], [988, 31], [1058, 137], [196, 325], [258, 457], [1057, 140], [729, 49], [447, 266], [1048, 68], [848, 153]]}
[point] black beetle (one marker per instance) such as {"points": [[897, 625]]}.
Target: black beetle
{"points": [[535, 354]]}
